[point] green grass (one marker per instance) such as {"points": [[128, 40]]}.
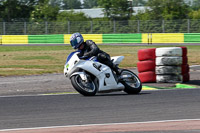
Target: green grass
{"points": [[32, 48], [34, 60]]}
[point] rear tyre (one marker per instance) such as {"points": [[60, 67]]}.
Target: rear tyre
{"points": [[132, 84], [86, 88]]}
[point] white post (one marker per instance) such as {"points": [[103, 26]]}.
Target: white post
{"points": [[4, 28], [138, 26], [91, 26], [25, 28], [114, 27], [163, 26], [46, 27], [68, 27], [188, 25]]}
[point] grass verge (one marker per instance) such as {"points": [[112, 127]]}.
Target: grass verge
{"points": [[34, 60]]}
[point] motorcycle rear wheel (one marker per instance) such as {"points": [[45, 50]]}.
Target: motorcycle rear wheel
{"points": [[132, 85], [85, 88]]}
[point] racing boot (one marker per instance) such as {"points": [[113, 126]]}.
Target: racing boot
{"points": [[116, 69]]}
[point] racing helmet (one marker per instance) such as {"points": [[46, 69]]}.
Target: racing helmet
{"points": [[76, 40]]}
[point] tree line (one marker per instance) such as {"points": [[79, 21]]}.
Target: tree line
{"points": [[171, 16], [48, 10], [159, 16]]}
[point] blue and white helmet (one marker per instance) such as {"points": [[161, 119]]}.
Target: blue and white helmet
{"points": [[76, 40]]}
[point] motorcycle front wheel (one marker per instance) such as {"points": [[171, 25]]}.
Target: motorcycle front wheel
{"points": [[131, 82], [86, 88]]}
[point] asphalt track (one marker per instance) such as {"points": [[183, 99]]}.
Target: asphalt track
{"points": [[73, 109], [22, 110], [59, 84]]}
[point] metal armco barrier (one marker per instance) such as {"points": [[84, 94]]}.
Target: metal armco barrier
{"points": [[145, 38], [150, 38]]}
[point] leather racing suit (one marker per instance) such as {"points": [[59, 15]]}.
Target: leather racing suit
{"points": [[91, 49]]}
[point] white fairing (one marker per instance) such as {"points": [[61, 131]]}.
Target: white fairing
{"points": [[102, 72], [117, 59]]}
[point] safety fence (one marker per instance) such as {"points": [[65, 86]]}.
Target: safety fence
{"points": [[104, 38], [100, 27]]}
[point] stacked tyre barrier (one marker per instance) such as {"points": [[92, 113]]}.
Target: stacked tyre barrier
{"points": [[163, 65]]}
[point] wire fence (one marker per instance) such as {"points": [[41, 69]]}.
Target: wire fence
{"points": [[100, 27]]}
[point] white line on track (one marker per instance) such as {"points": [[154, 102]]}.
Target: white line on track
{"points": [[36, 95], [195, 66], [20, 81], [86, 125]]}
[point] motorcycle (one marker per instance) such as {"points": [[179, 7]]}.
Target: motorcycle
{"points": [[88, 76]]}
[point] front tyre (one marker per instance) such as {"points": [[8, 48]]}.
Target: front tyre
{"points": [[86, 88], [131, 82]]}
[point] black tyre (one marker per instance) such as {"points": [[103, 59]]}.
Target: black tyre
{"points": [[85, 88], [132, 83]]}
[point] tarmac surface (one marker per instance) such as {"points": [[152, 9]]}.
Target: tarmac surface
{"points": [[171, 111], [179, 107], [58, 83], [166, 110]]}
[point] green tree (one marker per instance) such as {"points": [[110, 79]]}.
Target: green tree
{"points": [[56, 3], [195, 14], [71, 4], [90, 3], [116, 9], [71, 16], [196, 5], [138, 3], [12, 10], [78, 22], [44, 11], [106, 4], [165, 10]]}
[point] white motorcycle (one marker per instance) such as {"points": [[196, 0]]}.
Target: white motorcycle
{"points": [[89, 76]]}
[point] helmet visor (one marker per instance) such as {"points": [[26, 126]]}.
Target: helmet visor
{"points": [[74, 43]]}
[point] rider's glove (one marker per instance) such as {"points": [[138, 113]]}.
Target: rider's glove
{"points": [[79, 54]]}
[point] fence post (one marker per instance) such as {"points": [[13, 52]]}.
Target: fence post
{"points": [[4, 28], [68, 27], [188, 25], [91, 26], [163, 26], [46, 27], [114, 26], [138, 23], [25, 30]]}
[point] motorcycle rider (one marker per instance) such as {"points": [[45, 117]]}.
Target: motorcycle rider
{"points": [[89, 48]]}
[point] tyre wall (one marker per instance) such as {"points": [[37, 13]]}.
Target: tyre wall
{"points": [[163, 65]]}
